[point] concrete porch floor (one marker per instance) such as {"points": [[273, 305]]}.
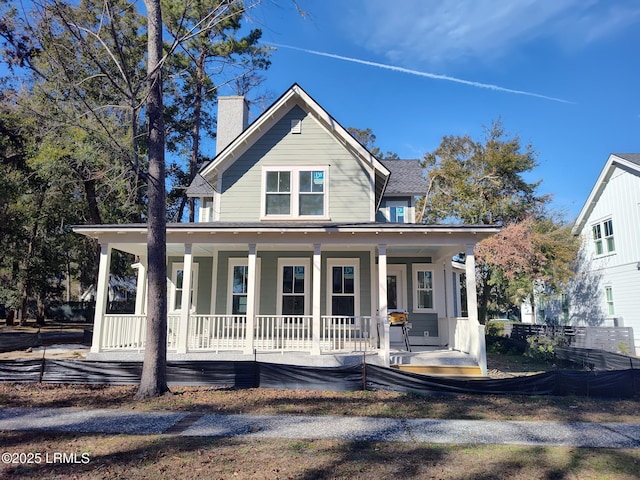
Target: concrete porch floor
{"points": [[420, 355]]}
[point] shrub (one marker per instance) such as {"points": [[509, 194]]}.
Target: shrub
{"points": [[543, 348]]}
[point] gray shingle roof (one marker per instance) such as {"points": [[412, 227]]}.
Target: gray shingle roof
{"points": [[405, 179], [199, 187], [631, 157]]}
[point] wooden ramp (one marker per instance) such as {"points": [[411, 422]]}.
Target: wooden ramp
{"points": [[453, 371]]}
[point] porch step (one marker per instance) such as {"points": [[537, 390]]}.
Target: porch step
{"points": [[463, 371]]}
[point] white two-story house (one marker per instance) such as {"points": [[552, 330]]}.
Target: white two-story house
{"points": [[609, 224], [304, 244]]}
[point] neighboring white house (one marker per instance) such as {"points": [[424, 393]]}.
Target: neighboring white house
{"points": [[304, 243], [609, 224]]}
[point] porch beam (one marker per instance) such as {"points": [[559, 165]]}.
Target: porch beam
{"points": [[102, 296], [315, 300], [252, 278], [187, 270]]}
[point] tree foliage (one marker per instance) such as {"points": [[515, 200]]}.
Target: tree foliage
{"points": [[198, 68], [367, 139], [524, 256], [480, 182]]}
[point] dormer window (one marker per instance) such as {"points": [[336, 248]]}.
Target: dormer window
{"points": [[295, 192]]}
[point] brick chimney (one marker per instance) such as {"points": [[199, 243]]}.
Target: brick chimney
{"points": [[233, 118]]}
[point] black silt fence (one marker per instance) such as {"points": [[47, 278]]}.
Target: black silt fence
{"points": [[248, 374]]}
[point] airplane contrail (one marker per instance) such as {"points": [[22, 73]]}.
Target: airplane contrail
{"points": [[424, 74]]}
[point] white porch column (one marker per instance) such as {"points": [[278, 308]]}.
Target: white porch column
{"points": [[187, 283], [385, 341], [480, 348], [450, 290], [382, 281], [315, 299], [102, 296], [141, 287], [472, 295], [252, 278]]}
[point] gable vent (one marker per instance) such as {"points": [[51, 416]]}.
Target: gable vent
{"points": [[296, 125]]}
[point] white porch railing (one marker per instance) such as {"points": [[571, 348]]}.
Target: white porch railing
{"points": [[283, 333], [216, 332], [467, 336], [128, 332], [356, 334], [229, 332]]}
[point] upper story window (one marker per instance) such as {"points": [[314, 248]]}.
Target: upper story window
{"points": [[397, 211], [603, 237], [295, 192]]}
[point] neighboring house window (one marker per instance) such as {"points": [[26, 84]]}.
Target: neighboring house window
{"points": [[603, 237], [177, 281], [295, 192], [608, 291], [423, 291], [294, 286], [343, 287]]}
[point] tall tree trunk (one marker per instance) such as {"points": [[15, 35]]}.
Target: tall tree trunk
{"points": [[154, 370], [195, 131]]}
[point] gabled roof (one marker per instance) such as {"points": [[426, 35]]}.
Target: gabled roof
{"points": [[406, 178], [295, 95], [199, 187], [627, 161]]}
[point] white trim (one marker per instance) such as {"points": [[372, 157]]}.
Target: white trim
{"points": [[435, 291], [295, 262], [175, 267], [344, 262]]}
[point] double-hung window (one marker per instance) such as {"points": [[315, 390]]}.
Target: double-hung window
{"points": [[238, 285], [294, 286], [603, 237], [177, 281], [343, 287], [423, 287], [295, 192]]}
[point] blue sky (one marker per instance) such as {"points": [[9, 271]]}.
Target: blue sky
{"points": [[394, 67]]}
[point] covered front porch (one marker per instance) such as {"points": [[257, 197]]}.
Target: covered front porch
{"points": [[305, 296]]}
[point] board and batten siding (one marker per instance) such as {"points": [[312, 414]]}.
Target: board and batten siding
{"points": [[349, 183], [620, 201]]}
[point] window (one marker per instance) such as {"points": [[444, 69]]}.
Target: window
{"points": [[423, 287], [608, 291], [343, 287], [603, 237], [240, 274], [177, 281], [397, 211], [278, 200], [396, 214], [238, 285], [295, 192], [311, 200], [205, 208], [293, 286]]}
